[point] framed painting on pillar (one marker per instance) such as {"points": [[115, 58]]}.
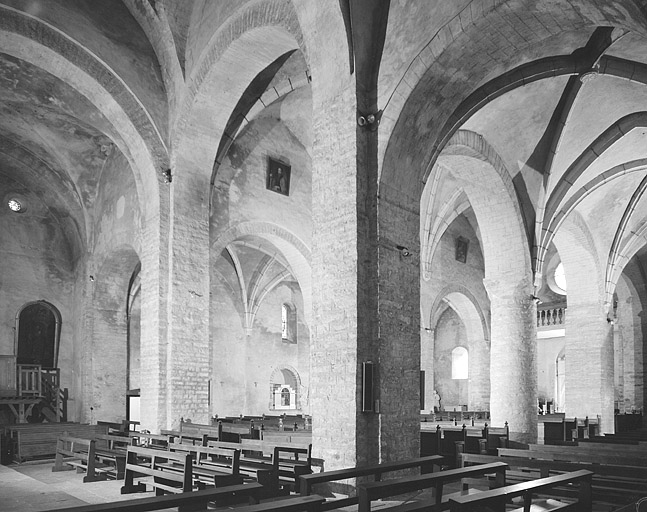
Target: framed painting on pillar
{"points": [[277, 178]]}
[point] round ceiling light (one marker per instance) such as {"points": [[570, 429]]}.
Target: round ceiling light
{"points": [[15, 205]]}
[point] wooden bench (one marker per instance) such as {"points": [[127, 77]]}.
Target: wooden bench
{"points": [[39, 440], [612, 484], [295, 504], [307, 482], [185, 502], [577, 454], [148, 440], [212, 466], [379, 490], [496, 499], [110, 452], [147, 462], [287, 461], [79, 454], [451, 441]]}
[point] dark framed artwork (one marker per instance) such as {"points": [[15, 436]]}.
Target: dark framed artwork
{"points": [[461, 249], [278, 177]]}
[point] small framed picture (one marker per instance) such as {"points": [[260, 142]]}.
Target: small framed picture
{"points": [[278, 177], [461, 249]]}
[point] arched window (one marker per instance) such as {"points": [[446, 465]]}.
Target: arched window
{"points": [[38, 328], [288, 323], [460, 363], [284, 389]]}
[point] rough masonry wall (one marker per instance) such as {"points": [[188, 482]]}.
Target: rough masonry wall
{"points": [[35, 264], [240, 193], [116, 236]]}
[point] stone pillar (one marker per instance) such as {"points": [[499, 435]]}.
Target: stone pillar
{"points": [[428, 339], [589, 361], [154, 326], [361, 314], [479, 376], [338, 426], [398, 314], [513, 357], [188, 364]]}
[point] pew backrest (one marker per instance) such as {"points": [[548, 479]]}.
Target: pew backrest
{"points": [[496, 499], [372, 491], [150, 462]]}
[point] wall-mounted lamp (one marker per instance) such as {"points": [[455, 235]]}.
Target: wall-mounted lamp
{"points": [[403, 250], [168, 177], [370, 121], [611, 321], [536, 299], [91, 278]]}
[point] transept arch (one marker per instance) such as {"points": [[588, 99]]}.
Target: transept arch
{"points": [[477, 343]]}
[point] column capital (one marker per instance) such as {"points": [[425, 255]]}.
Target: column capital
{"points": [[510, 289]]}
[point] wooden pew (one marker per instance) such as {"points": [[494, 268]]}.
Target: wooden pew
{"points": [[379, 490], [307, 482], [146, 462], [39, 440], [212, 466], [450, 442], [612, 484], [496, 499], [186, 502], [594, 453], [79, 454], [294, 504], [110, 451], [148, 440]]}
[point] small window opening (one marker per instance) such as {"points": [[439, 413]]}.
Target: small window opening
{"points": [[288, 324], [460, 363]]}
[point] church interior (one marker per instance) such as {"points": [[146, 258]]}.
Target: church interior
{"points": [[358, 213]]}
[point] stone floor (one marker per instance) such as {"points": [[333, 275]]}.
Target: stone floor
{"points": [[35, 488]]}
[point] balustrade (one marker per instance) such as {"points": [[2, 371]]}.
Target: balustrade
{"points": [[547, 317]]}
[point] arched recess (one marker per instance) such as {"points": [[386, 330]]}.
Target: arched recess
{"points": [[285, 378], [589, 336], [37, 334], [295, 251], [508, 278], [107, 348], [476, 341]]}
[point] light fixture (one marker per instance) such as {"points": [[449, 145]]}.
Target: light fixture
{"points": [[370, 121], [404, 251], [14, 205]]}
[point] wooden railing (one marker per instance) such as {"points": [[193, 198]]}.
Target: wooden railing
{"points": [[29, 380], [37, 382]]}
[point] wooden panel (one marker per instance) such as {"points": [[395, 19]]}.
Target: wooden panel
{"points": [[8, 376]]}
